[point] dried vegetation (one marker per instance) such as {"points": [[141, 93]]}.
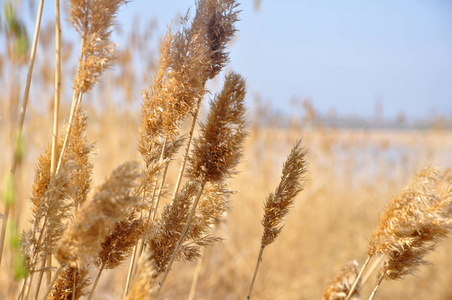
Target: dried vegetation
{"points": [[177, 201]]}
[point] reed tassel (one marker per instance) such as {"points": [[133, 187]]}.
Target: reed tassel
{"points": [[182, 237]]}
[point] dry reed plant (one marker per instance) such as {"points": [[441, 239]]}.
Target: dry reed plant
{"points": [[339, 287], [278, 204], [64, 285], [96, 230], [216, 153], [409, 228], [94, 221]]}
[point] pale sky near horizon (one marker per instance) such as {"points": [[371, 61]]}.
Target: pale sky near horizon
{"points": [[345, 56]]}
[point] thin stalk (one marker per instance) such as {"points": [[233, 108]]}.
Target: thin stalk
{"points": [[21, 295], [153, 213], [96, 281], [186, 151], [380, 279], [131, 268], [2, 238], [159, 193], [74, 283], [41, 234], [134, 256], [259, 259], [372, 268], [41, 273], [182, 237], [56, 107], [194, 283], [52, 282], [49, 268], [75, 103], [355, 284], [22, 118]]}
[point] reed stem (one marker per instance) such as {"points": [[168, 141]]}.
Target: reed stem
{"points": [[22, 119], [52, 282], [77, 98], [355, 284], [372, 268], [96, 281], [198, 269], [56, 107], [259, 259], [380, 279], [186, 151], [41, 273], [131, 269]]}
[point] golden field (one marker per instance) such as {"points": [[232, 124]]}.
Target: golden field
{"points": [[352, 175]]}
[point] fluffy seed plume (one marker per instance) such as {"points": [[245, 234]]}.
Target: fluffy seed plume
{"points": [[168, 229], [118, 245], [188, 59], [339, 286], [216, 19], [218, 149], [50, 208], [79, 150], [64, 285], [94, 20], [278, 204], [95, 219], [410, 226]]}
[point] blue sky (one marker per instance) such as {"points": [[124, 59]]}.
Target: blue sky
{"points": [[345, 56]]}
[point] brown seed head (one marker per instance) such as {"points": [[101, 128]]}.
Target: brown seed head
{"points": [[339, 286], [278, 204], [98, 217], [411, 225], [218, 149]]}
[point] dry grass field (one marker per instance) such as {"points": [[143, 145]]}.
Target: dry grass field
{"points": [[352, 175]]}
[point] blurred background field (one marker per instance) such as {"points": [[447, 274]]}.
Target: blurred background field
{"points": [[356, 165]]}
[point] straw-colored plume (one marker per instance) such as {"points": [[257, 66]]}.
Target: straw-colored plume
{"points": [[79, 150], [411, 225], [98, 217], [166, 232], [278, 204], [188, 59], [339, 286], [118, 245], [218, 149], [64, 285], [94, 20], [221, 18]]}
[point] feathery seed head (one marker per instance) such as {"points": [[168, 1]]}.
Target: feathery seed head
{"points": [[278, 204], [339, 286], [110, 205], [411, 225], [217, 151], [94, 20]]}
